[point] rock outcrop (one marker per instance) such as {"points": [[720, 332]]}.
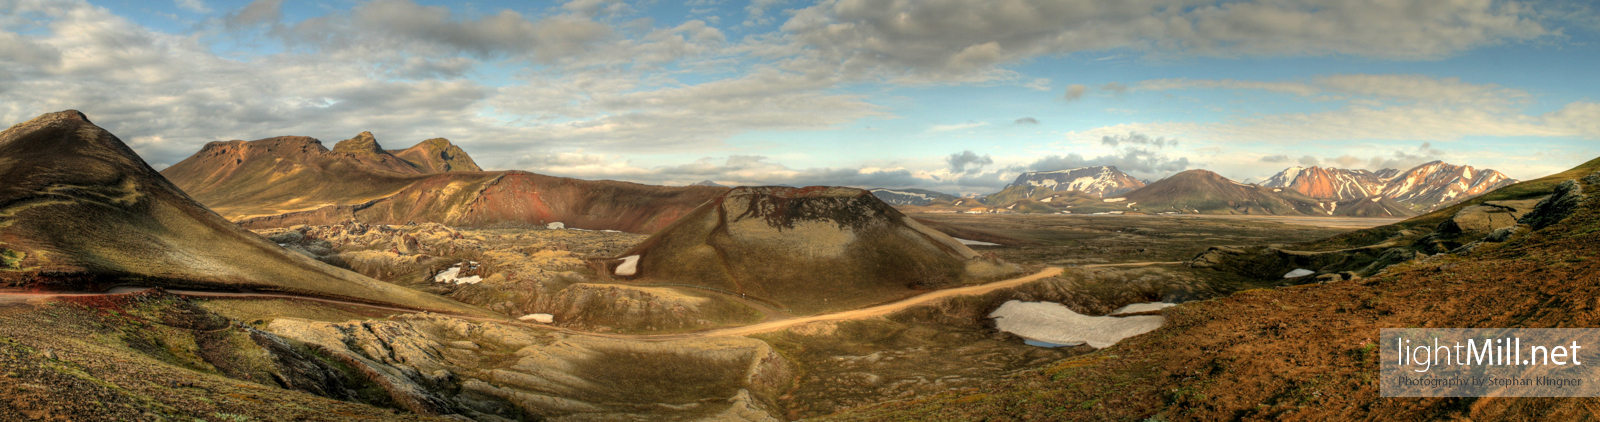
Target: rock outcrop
{"points": [[1487, 217], [1558, 206]]}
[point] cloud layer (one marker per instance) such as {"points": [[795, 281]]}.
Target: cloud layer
{"points": [[543, 90]]}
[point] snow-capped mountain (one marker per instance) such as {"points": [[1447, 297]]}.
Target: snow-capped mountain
{"points": [[1438, 183], [1100, 181], [1330, 183], [910, 196], [1424, 187]]}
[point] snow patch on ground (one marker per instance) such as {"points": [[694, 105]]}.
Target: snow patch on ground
{"points": [[540, 318], [1299, 272], [555, 226], [630, 265], [1114, 199], [1141, 307], [453, 275], [1054, 323], [974, 242]]}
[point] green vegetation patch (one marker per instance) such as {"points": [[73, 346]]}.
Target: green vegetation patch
{"points": [[10, 259]]}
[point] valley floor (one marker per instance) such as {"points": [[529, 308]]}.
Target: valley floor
{"points": [[818, 365]]}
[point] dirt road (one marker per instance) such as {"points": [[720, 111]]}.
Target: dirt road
{"points": [[762, 327], [874, 311]]}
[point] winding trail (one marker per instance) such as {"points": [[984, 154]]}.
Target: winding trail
{"points": [[762, 327]]}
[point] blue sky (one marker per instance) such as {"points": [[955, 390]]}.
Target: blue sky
{"points": [[869, 93]]}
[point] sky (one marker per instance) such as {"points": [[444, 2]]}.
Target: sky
{"points": [[958, 96]]}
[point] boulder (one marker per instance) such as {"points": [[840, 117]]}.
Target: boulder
{"points": [[1214, 256], [1504, 233]]}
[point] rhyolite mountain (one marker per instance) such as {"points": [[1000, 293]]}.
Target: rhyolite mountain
{"points": [[1205, 192], [807, 249], [1100, 181], [1438, 184], [1425, 187], [1327, 183], [79, 210], [911, 196], [288, 180]]}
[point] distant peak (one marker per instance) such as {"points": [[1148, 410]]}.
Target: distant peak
{"points": [[363, 143], [64, 115], [74, 115], [435, 144]]}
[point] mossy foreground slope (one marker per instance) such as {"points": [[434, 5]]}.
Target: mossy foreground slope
{"points": [[79, 210], [809, 249]]}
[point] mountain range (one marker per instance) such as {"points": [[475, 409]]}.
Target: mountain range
{"points": [[289, 180], [1294, 191], [1426, 187], [1205, 192]]}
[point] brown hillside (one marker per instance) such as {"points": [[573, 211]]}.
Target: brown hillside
{"points": [[479, 199], [1205, 192], [809, 249], [280, 182], [81, 211], [289, 173]]}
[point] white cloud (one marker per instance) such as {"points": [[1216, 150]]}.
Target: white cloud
{"points": [[1075, 92], [197, 6], [758, 12], [745, 170], [963, 40], [257, 12], [1367, 89], [1295, 88], [957, 126]]}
